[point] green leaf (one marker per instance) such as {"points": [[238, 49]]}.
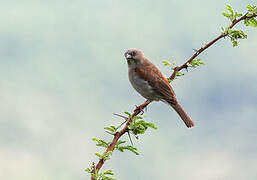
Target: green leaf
{"points": [[179, 74], [250, 22], [109, 172], [253, 22], [195, 62], [132, 149], [120, 142], [106, 175], [130, 115], [129, 148], [140, 127], [103, 177], [234, 43], [101, 142], [151, 125], [107, 155], [94, 175], [226, 15], [251, 8], [104, 156], [229, 8], [169, 64], [88, 170], [112, 129], [235, 35], [137, 117], [109, 129], [166, 63], [238, 14], [231, 15], [98, 154]]}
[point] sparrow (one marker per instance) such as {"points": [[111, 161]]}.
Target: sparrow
{"points": [[148, 81]]}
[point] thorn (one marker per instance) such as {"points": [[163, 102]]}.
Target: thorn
{"points": [[109, 133], [130, 138], [195, 50], [124, 117], [121, 125], [123, 122]]}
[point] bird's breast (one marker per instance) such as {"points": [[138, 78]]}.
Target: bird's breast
{"points": [[142, 86]]}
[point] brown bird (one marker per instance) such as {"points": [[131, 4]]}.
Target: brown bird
{"points": [[148, 81]]}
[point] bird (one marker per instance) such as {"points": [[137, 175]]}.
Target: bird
{"points": [[148, 81]]}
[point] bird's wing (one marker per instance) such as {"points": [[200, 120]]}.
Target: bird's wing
{"points": [[157, 81]]}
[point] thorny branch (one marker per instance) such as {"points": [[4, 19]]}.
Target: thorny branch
{"points": [[172, 76], [199, 51], [119, 134]]}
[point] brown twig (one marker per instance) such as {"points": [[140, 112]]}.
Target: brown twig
{"points": [[118, 135], [199, 51], [140, 108]]}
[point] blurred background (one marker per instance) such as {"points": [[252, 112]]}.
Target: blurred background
{"points": [[63, 75]]}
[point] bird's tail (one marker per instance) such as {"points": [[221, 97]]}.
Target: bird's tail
{"points": [[187, 120]]}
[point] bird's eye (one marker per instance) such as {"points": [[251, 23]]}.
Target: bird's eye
{"points": [[133, 53]]}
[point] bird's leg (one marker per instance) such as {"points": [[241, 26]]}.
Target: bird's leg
{"points": [[142, 106]]}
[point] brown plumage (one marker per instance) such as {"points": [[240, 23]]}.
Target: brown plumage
{"points": [[146, 78]]}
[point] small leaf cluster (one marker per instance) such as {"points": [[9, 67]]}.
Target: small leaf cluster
{"points": [[111, 129], [231, 14], [101, 142], [101, 176], [167, 63], [195, 63], [139, 127], [104, 156], [251, 9], [179, 74], [234, 35], [172, 65], [251, 21], [91, 169], [121, 148]]}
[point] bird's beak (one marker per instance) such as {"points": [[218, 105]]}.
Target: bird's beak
{"points": [[128, 56]]}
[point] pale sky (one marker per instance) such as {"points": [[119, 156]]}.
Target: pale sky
{"points": [[63, 75]]}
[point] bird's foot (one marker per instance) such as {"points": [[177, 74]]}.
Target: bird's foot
{"points": [[142, 106], [140, 109]]}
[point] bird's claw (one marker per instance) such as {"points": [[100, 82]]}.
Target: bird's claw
{"points": [[140, 109]]}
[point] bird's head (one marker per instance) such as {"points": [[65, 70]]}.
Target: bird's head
{"points": [[134, 56]]}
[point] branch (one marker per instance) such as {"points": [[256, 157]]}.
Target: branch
{"points": [[199, 51], [176, 69], [118, 134]]}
